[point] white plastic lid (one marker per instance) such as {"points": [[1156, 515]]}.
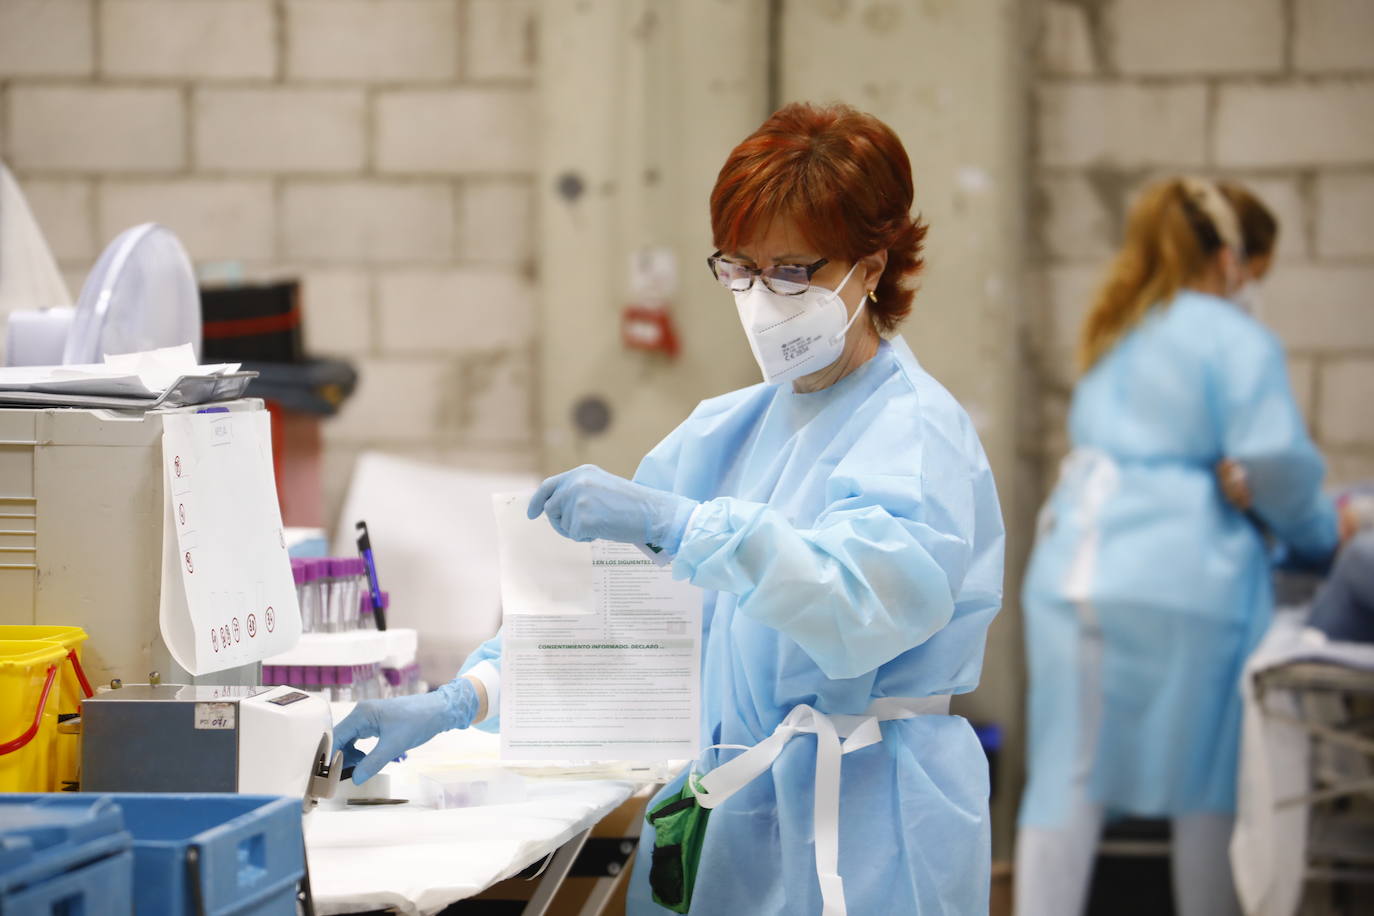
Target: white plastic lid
{"points": [[401, 645], [318, 650], [141, 295]]}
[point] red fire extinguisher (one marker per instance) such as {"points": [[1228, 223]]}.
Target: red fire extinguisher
{"points": [[646, 323]]}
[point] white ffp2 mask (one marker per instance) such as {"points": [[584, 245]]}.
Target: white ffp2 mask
{"points": [[1249, 300], [792, 336]]}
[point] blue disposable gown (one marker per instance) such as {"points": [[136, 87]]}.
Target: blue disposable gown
{"points": [[850, 547], [1177, 581]]}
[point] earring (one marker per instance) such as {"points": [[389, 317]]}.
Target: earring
{"points": [[872, 296]]}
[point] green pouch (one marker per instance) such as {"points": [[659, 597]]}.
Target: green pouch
{"points": [[679, 823]]}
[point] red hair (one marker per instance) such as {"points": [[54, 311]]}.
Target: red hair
{"points": [[842, 178]]}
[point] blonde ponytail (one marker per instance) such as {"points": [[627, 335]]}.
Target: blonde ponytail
{"points": [[1173, 231]]}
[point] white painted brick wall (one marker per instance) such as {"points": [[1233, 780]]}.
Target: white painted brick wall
{"points": [[280, 130], [1349, 466], [1065, 41], [1078, 222], [399, 402], [1321, 307], [492, 384], [456, 131], [1330, 122], [499, 41], [496, 222], [1334, 35], [95, 129], [373, 40], [63, 210], [359, 221], [454, 311], [46, 38], [1347, 387], [1056, 432], [337, 306], [215, 220], [1123, 125], [1165, 37], [1069, 291], [1345, 215], [381, 151], [181, 39], [1302, 372]]}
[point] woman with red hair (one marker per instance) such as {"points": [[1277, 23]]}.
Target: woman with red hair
{"points": [[842, 521]]}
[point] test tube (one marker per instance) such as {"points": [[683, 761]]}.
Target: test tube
{"points": [[327, 597], [351, 580], [313, 597], [298, 576]]}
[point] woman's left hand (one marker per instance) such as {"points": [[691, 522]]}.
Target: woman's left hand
{"points": [[1235, 484], [587, 503]]}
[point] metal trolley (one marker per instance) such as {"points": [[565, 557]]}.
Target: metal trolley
{"points": [[1334, 707]]}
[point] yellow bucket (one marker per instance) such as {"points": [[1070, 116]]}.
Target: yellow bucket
{"points": [[30, 695], [75, 687]]}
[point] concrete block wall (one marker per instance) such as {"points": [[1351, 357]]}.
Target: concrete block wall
{"points": [[1278, 94], [380, 150]]}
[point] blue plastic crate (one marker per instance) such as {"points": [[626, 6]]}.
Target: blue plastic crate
{"points": [[221, 854], [57, 857], [250, 848]]}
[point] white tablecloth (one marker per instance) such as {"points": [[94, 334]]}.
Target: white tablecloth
{"points": [[419, 860]]}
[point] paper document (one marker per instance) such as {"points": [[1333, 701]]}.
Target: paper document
{"points": [[228, 597], [542, 572], [622, 682], [139, 375]]}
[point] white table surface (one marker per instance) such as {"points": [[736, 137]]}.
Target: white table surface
{"points": [[419, 860]]}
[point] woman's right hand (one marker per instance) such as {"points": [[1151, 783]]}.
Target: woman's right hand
{"points": [[402, 723], [1235, 484], [1348, 522]]}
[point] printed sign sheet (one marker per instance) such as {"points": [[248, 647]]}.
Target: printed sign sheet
{"points": [[228, 598]]}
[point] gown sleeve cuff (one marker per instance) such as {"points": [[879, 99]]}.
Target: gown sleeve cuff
{"points": [[1317, 535], [710, 527], [490, 676]]}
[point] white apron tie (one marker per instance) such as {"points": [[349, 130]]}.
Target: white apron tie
{"points": [[836, 736], [1095, 474]]}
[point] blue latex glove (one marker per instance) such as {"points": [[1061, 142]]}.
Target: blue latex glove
{"points": [[402, 723], [587, 503]]}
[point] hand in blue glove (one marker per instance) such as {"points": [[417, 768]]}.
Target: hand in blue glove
{"points": [[587, 503], [402, 723]]}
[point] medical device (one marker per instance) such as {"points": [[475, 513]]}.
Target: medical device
{"points": [[169, 738]]}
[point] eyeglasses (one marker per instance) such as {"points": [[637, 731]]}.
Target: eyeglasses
{"points": [[783, 279]]}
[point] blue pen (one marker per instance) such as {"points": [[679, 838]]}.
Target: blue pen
{"points": [[365, 550]]}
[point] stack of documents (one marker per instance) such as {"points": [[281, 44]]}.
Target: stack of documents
{"points": [[158, 378]]}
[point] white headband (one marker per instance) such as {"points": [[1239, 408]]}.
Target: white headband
{"points": [[1218, 210]]}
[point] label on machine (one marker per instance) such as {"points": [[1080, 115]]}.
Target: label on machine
{"points": [[215, 716]]}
